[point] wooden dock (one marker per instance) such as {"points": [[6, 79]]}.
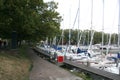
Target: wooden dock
{"points": [[103, 75], [96, 74]]}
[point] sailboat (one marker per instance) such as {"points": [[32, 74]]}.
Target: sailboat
{"points": [[109, 62]]}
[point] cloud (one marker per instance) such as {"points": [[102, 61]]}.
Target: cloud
{"points": [[68, 8]]}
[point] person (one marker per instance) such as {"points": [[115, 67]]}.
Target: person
{"points": [[78, 50], [89, 55], [0, 43], [55, 56], [4, 44], [73, 51]]}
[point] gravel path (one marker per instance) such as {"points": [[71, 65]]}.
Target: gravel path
{"points": [[44, 70]]}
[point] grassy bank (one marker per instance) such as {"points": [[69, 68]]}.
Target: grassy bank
{"points": [[77, 73], [14, 64], [82, 75]]}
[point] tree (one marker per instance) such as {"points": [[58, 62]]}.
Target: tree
{"points": [[31, 19], [86, 35], [97, 37]]}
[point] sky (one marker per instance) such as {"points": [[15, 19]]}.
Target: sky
{"points": [[68, 11]]}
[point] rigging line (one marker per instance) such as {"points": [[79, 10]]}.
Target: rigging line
{"points": [[76, 14], [114, 21], [59, 41], [84, 38], [75, 18], [54, 41], [109, 42], [80, 38], [61, 38]]}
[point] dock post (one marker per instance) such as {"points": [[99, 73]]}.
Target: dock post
{"points": [[119, 71], [88, 63]]}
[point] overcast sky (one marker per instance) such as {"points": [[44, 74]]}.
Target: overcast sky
{"points": [[68, 10]]}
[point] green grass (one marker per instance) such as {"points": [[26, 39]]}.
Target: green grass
{"points": [[15, 64], [78, 73], [82, 75]]}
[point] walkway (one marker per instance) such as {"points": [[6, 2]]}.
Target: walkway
{"points": [[44, 70]]}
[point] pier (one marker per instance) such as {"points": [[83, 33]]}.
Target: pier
{"points": [[96, 74]]}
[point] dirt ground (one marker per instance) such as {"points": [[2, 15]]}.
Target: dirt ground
{"points": [[44, 70]]}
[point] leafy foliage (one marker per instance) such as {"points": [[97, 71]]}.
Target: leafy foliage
{"points": [[31, 19], [86, 35]]}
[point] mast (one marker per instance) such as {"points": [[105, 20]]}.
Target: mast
{"points": [[54, 41], [109, 42], [63, 32], [92, 32], [69, 36], [69, 27], [78, 36], [102, 28], [62, 37], [119, 26]]}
